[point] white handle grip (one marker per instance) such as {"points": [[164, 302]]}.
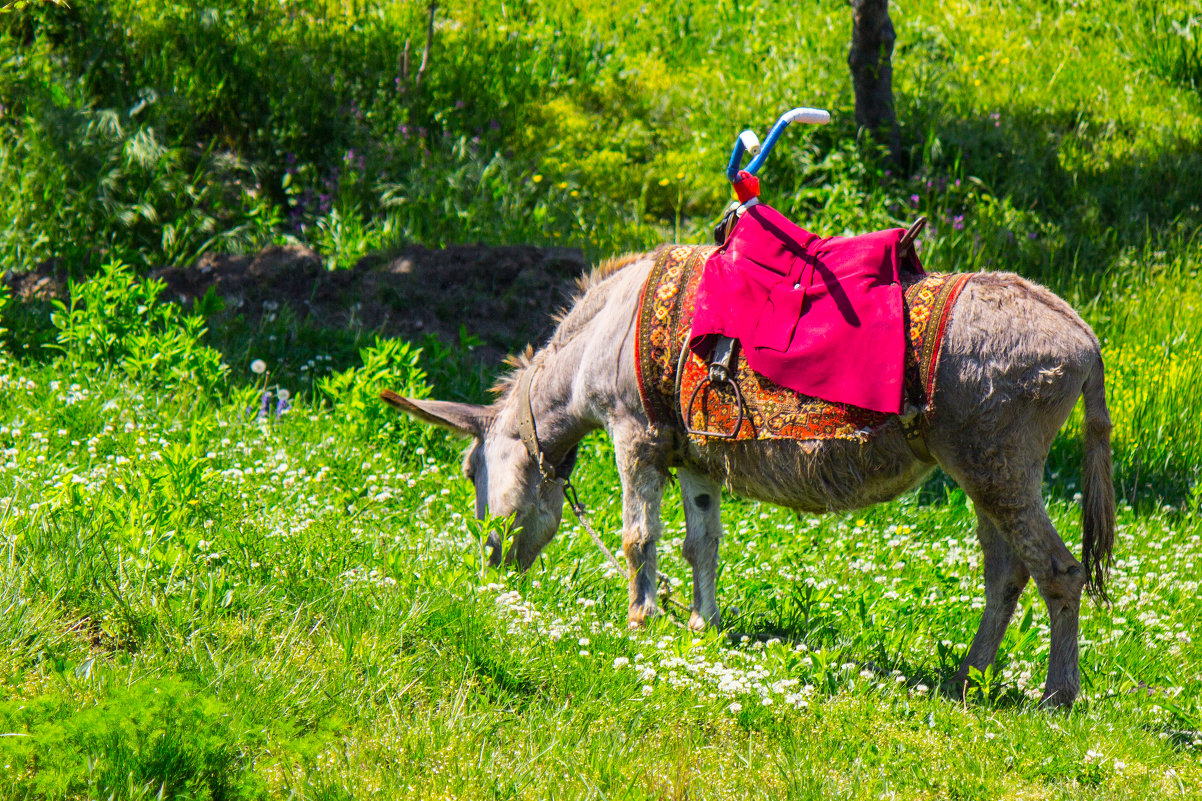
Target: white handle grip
{"points": [[814, 116], [751, 142]]}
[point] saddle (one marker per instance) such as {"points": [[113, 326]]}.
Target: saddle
{"points": [[677, 389], [820, 315]]}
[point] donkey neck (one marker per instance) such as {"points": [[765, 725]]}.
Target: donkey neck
{"points": [[585, 376], [560, 418]]}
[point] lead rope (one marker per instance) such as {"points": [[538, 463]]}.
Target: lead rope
{"points": [[581, 513], [665, 586]]}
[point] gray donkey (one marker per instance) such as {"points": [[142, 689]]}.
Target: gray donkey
{"points": [[1015, 359]]}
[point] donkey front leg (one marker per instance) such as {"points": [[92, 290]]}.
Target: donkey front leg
{"points": [[702, 497], [642, 495]]}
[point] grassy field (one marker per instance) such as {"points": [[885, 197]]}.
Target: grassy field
{"points": [[217, 583]]}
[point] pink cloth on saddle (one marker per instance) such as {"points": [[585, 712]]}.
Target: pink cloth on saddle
{"points": [[822, 316]]}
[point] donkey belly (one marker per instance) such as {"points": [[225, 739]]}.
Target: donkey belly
{"points": [[814, 475]]}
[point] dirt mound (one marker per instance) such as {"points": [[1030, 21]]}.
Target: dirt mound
{"points": [[504, 296]]}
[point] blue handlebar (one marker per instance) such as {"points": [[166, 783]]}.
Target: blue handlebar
{"points": [[793, 115]]}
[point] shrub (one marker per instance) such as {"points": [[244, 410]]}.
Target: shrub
{"points": [[160, 739], [117, 320], [388, 364]]}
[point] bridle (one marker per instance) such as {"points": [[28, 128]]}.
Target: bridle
{"points": [[528, 432]]}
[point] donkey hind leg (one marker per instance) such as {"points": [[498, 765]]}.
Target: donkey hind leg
{"points": [[1005, 578], [702, 497], [1060, 578], [642, 496]]}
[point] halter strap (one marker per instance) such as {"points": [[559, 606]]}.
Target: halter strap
{"points": [[527, 430]]}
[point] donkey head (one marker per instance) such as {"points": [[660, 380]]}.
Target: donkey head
{"points": [[507, 480]]}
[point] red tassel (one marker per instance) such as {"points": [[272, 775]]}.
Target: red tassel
{"points": [[747, 187]]}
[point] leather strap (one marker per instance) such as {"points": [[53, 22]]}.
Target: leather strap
{"points": [[912, 426], [526, 426]]}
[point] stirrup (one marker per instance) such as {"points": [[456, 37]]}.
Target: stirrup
{"points": [[706, 385], [720, 372]]}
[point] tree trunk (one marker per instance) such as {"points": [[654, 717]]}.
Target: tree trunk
{"points": [[871, 61]]}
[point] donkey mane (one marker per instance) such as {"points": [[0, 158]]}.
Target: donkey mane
{"points": [[580, 309]]}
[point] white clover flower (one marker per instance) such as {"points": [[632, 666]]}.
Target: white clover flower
{"points": [[647, 689], [922, 688], [735, 708], [620, 662], [258, 367], [766, 701]]}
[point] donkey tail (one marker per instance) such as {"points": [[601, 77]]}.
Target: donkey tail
{"points": [[1097, 486]]}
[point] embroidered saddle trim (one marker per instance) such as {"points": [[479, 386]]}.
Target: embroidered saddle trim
{"points": [[770, 411]]}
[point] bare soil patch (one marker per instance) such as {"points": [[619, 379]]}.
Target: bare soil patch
{"points": [[502, 296]]}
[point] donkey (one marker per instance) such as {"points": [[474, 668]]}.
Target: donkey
{"points": [[1015, 359]]}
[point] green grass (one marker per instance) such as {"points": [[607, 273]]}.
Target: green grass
{"points": [[225, 606], [200, 598]]}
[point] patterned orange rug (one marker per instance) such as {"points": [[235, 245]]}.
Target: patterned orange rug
{"points": [[770, 411]]}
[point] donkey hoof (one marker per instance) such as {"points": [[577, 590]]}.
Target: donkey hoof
{"points": [[699, 624], [639, 614]]}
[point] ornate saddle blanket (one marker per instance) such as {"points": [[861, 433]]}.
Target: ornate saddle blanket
{"points": [[769, 410], [821, 315]]}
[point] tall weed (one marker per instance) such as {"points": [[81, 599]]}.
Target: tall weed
{"points": [[156, 739]]}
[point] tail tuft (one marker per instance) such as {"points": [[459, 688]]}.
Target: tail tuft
{"points": [[1097, 488]]}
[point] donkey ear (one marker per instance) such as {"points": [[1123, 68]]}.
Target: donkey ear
{"points": [[462, 418]]}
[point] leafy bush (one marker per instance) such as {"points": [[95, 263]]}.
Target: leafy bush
{"points": [[388, 364], [116, 319], [160, 739]]}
